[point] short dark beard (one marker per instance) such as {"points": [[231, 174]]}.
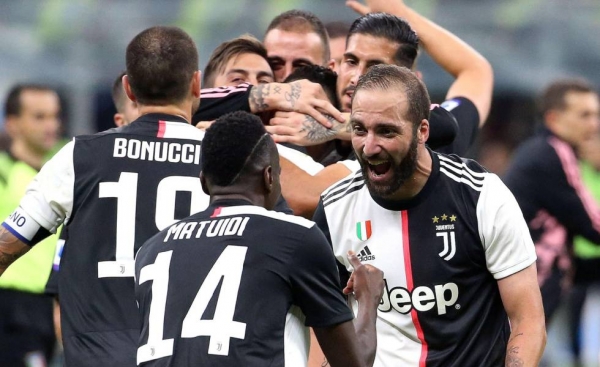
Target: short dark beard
{"points": [[400, 173]]}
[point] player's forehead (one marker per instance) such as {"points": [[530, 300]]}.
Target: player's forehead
{"points": [[36, 100], [247, 61], [366, 47], [371, 106], [292, 45]]}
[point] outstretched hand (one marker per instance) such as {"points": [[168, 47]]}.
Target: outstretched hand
{"points": [[365, 282]]}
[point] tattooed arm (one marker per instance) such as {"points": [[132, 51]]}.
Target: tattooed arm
{"points": [[300, 96], [11, 248], [523, 303], [300, 129]]}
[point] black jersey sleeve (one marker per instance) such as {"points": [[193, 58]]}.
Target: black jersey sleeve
{"points": [[443, 127], [467, 117], [215, 102], [320, 219], [315, 282]]}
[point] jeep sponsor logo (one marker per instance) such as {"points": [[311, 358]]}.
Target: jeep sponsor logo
{"points": [[422, 298]]}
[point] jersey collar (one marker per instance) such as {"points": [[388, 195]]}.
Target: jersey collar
{"points": [[154, 117], [398, 205]]}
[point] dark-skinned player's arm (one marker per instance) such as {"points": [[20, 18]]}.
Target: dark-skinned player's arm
{"points": [[350, 341]]}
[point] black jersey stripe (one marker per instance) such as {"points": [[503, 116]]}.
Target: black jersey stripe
{"points": [[463, 166], [341, 186], [461, 179], [348, 192], [342, 190], [462, 173]]}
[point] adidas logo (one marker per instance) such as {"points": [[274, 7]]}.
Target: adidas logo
{"points": [[365, 254]]}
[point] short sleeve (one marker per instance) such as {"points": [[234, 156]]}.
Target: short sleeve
{"points": [[315, 282], [467, 117], [49, 197], [504, 233]]}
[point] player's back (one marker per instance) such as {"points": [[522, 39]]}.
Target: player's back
{"points": [[128, 184], [215, 289]]}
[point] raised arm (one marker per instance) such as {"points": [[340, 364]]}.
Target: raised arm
{"points": [[523, 303], [474, 77]]}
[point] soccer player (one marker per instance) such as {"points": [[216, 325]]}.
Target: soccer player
{"points": [[237, 61], [115, 190], [266, 263], [32, 115], [546, 180], [449, 237], [296, 38]]}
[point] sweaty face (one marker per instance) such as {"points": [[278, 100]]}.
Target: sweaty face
{"points": [[385, 142], [362, 52], [290, 50], [38, 124], [578, 121], [245, 68]]}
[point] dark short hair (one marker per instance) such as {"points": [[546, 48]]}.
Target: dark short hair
{"points": [[326, 77], [160, 64], [13, 105], [118, 94], [387, 77], [245, 44], [393, 29], [337, 29], [302, 21], [231, 145], [553, 96]]}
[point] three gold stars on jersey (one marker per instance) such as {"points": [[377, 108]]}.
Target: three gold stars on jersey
{"points": [[444, 218]]}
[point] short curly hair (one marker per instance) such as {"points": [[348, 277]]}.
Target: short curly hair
{"points": [[231, 145]]}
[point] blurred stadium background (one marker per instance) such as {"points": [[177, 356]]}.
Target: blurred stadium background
{"points": [[78, 46]]}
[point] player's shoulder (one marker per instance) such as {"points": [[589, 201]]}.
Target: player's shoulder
{"points": [[276, 218], [465, 172], [343, 188]]}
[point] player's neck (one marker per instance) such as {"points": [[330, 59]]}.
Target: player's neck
{"points": [[183, 110], [22, 152], [258, 201]]}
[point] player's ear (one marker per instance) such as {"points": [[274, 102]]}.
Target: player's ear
{"points": [[423, 132], [127, 88], [331, 64], [119, 120], [196, 83], [268, 178], [203, 183]]}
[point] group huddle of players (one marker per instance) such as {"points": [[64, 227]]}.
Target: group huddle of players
{"points": [[181, 247]]}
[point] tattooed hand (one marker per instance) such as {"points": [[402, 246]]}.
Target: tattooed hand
{"points": [[300, 96], [300, 129]]}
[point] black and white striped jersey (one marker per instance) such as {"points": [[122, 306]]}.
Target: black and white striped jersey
{"points": [[442, 253], [219, 289], [114, 190]]}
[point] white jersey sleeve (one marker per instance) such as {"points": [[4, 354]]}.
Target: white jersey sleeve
{"points": [[351, 164], [49, 197], [503, 230]]}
